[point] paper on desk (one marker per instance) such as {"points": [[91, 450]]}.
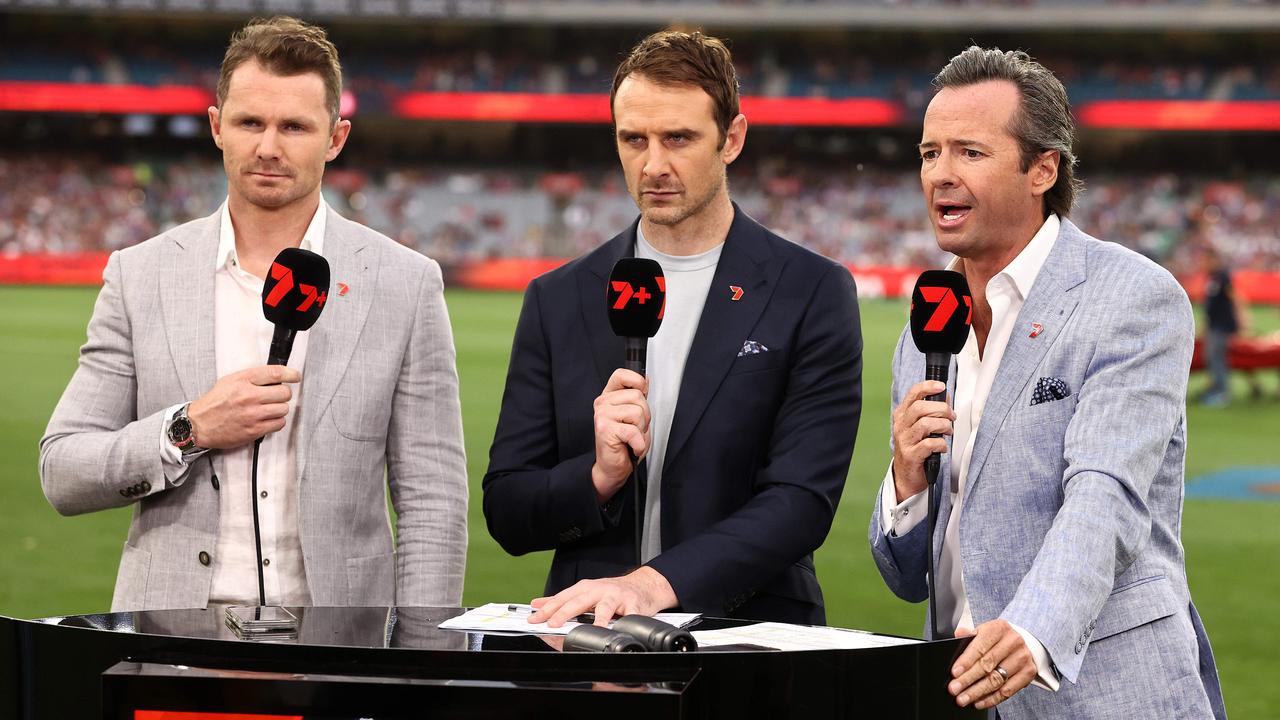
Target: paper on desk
{"points": [[782, 636], [498, 618]]}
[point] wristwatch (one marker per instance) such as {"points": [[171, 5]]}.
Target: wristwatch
{"points": [[181, 434]]}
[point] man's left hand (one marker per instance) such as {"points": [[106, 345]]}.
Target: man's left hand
{"points": [[641, 592], [995, 647]]}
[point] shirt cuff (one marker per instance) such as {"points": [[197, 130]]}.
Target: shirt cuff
{"points": [[175, 466], [899, 518], [1046, 678]]}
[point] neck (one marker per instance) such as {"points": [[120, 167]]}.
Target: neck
{"points": [[695, 234], [979, 269], [261, 233]]}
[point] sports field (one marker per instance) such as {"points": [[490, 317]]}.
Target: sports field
{"points": [[52, 565]]}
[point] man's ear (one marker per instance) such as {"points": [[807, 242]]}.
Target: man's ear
{"points": [[734, 140], [215, 125], [1044, 172], [337, 139]]}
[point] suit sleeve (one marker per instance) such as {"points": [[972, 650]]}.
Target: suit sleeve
{"points": [[902, 560], [1130, 405], [798, 485], [95, 454], [426, 461], [533, 498]]}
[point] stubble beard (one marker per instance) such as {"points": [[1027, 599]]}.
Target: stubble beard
{"points": [[671, 216]]}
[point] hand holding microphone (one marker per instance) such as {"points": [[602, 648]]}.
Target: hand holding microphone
{"points": [[247, 405], [621, 425], [243, 406], [941, 313], [636, 299]]}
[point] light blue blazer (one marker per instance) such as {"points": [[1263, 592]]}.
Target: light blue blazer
{"points": [[1073, 507]]}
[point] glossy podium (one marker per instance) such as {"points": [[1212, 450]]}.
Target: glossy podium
{"points": [[393, 663]]}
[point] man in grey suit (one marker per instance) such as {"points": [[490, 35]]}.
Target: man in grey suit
{"points": [[171, 391], [1060, 503]]}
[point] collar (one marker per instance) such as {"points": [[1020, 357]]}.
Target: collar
{"points": [[677, 263], [312, 239], [1023, 269]]}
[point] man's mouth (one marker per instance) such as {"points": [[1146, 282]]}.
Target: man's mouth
{"points": [[951, 215]]}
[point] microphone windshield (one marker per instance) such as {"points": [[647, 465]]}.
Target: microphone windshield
{"points": [[296, 289], [637, 297], [941, 312]]}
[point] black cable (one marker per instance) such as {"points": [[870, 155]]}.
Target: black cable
{"points": [[257, 529], [639, 503], [931, 476]]}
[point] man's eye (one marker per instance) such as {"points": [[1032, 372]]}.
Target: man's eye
{"points": [[929, 155], [972, 154]]}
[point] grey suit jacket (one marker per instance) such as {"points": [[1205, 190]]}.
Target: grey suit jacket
{"points": [[379, 399], [1073, 507]]}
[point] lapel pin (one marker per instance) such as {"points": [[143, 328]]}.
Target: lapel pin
{"points": [[1036, 329], [343, 288], [737, 293]]}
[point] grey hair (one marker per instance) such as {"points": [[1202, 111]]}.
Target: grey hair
{"points": [[1043, 121]]}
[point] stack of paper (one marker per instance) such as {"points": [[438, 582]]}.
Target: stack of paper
{"points": [[782, 636]]}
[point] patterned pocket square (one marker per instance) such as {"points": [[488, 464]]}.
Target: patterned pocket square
{"points": [[752, 347], [1048, 390]]}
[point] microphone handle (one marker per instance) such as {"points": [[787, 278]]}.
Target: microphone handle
{"points": [[281, 346], [636, 349], [937, 367]]}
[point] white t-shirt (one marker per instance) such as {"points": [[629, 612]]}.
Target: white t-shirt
{"points": [[688, 282]]}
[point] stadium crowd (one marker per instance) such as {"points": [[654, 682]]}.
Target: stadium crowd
{"points": [[377, 75], [860, 217]]}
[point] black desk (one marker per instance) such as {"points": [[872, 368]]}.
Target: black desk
{"points": [[389, 663]]}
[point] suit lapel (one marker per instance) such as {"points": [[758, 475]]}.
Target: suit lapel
{"points": [[333, 339], [1050, 303], [725, 324], [606, 348], [186, 299]]}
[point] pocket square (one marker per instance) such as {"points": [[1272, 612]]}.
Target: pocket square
{"points": [[1049, 389], [752, 347]]}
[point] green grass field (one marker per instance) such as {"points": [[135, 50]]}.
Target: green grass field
{"points": [[51, 565]]}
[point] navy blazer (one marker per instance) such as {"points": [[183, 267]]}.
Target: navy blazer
{"points": [[759, 446]]}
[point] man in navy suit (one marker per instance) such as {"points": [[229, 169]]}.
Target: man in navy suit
{"points": [[746, 419]]}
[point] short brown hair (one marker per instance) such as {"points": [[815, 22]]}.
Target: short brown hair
{"points": [[285, 46], [671, 57], [1043, 120]]}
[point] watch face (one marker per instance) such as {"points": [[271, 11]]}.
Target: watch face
{"points": [[180, 431]]}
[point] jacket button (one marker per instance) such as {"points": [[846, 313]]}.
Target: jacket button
{"points": [[124, 493], [204, 558], [214, 480], [146, 486]]}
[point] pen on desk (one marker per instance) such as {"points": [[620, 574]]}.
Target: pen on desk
{"points": [[586, 618]]}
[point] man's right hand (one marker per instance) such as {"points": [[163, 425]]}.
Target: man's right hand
{"points": [[621, 422], [243, 407], [913, 423]]}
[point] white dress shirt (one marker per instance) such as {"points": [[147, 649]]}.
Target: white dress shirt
{"points": [[242, 339], [1006, 292]]}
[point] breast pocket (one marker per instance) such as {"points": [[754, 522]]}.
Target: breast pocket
{"points": [[1048, 413], [758, 362]]}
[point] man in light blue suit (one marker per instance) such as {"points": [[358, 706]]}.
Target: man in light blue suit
{"points": [[1060, 496]]}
